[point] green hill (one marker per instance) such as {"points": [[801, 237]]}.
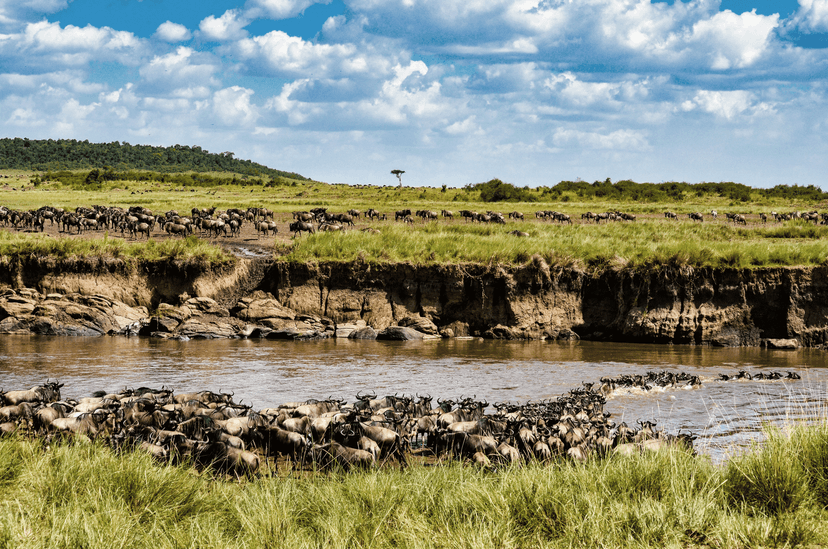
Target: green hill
{"points": [[69, 154]]}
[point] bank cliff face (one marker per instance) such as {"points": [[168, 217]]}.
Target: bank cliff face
{"points": [[777, 307]]}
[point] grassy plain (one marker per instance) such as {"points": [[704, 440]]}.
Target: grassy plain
{"points": [[83, 495], [650, 242]]}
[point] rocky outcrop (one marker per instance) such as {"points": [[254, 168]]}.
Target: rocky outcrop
{"points": [[26, 311], [775, 307], [780, 308]]}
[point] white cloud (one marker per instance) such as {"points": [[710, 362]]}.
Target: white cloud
{"points": [[724, 104], [230, 26], [735, 40], [233, 108], [45, 43], [813, 15], [625, 140], [71, 80], [279, 9], [173, 32], [518, 45], [463, 127], [13, 12], [281, 54], [183, 68]]}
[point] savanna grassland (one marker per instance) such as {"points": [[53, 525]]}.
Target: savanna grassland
{"points": [[652, 241], [83, 495]]}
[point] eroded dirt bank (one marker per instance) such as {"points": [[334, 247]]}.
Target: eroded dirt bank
{"points": [[779, 307]]}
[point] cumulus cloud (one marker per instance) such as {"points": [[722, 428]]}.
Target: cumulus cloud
{"points": [[277, 53], [504, 78], [460, 127], [735, 40], [279, 9], [230, 26], [813, 15], [173, 32], [13, 12], [725, 104], [71, 80], [406, 98], [185, 68], [639, 34], [232, 107], [45, 43]]}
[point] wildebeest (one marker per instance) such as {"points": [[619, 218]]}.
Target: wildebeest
{"points": [[46, 393], [334, 454], [175, 228], [297, 227]]}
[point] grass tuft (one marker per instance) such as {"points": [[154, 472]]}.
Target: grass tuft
{"points": [[83, 495]]}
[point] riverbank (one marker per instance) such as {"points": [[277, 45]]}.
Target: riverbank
{"points": [[781, 307], [84, 495]]}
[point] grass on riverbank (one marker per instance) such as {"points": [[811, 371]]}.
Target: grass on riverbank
{"points": [[291, 195], [85, 496], [189, 249], [651, 244]]}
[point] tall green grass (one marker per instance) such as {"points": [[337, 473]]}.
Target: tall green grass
{"points": [[83, 495], [650, 244], [187, 249]]}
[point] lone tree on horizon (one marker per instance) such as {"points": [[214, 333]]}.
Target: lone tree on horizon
{"points": [[398, 173]]}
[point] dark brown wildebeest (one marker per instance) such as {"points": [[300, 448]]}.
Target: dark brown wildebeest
{"points": [[175, 228]]}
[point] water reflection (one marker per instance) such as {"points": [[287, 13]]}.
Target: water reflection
{"points": [[266, 373]]}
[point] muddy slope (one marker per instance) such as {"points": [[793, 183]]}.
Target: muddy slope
{"points": [[780, 307]]}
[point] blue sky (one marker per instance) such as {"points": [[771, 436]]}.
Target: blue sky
{"points": [[451, 91]]}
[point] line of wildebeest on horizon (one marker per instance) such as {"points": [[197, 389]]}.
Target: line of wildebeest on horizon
{"points": [[139, 221], [212, 430]]}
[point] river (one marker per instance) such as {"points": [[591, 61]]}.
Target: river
{"points": [[725, 415]]}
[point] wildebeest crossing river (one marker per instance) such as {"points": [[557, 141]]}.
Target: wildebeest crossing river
{"points": [[724, 414]]}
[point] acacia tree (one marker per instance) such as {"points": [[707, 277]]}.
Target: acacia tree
{"points": [[398, 173]]}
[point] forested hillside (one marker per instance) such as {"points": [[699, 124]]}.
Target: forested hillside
{"points": [[69, 154]]}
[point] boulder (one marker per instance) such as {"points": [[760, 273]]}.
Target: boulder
{"points": [[14, 305], [501, 332], [259, 309], [781, 343], [457, 328], [420, 324], [399, 333], [171, 311], [294, 334], [345, 330], [163, 324], [204, 306], [195, 328], [363, 333]]}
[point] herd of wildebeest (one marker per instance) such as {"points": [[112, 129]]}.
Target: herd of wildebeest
{"points": [[138, 221], [211, 430]]}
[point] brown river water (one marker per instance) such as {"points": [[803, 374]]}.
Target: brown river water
{"points": [[726, 416]]}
